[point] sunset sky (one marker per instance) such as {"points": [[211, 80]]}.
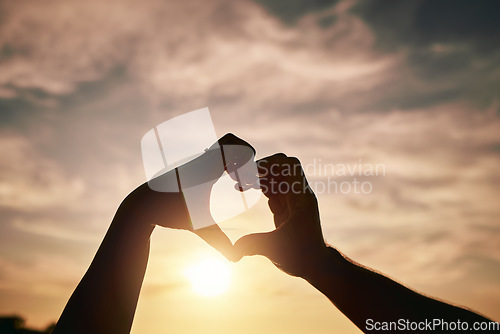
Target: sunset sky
{"points": [[410, 85]]}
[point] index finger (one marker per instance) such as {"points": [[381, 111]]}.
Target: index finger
{"points": [[215, 237]]}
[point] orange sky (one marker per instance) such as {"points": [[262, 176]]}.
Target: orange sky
{"points": [[333, 82]]}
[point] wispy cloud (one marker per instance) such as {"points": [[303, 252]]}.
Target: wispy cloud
{"points": [[29, 181], [340, 81]]}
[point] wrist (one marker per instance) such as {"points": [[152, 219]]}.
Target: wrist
{"points": [[134, 211], [326, 264], [149, 207]]}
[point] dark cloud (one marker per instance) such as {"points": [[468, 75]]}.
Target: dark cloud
{"points": [[327, 21], [451, 48], [15, 109], [425, 22], [455, 20], [289, 11], [7, 51]]}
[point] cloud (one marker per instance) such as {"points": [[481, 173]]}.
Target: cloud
{"points": [[29, 181], [250, 57], [450, 47], [426, 22], [39, 277], [81, 82], [291, 11], [65, 231], [435, 205]]}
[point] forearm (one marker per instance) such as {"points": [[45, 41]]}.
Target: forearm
{"points": [[106, 297], [362, 294]]}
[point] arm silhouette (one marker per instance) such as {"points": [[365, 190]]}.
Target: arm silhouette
{"points": [[105, 299], [297, 247]]}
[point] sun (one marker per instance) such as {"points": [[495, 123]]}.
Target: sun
{"points": [[209, 277]]}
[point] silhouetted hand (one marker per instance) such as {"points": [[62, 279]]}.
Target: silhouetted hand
{"points": [[168, 209], [296, 246], [106, 298]]}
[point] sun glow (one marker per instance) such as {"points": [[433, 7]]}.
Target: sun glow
{"points": [[209, 277]]}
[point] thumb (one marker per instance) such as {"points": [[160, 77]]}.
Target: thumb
{"points": [[255, 244]]}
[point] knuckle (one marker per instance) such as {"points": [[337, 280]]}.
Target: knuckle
{"points": [[278, 156]]}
